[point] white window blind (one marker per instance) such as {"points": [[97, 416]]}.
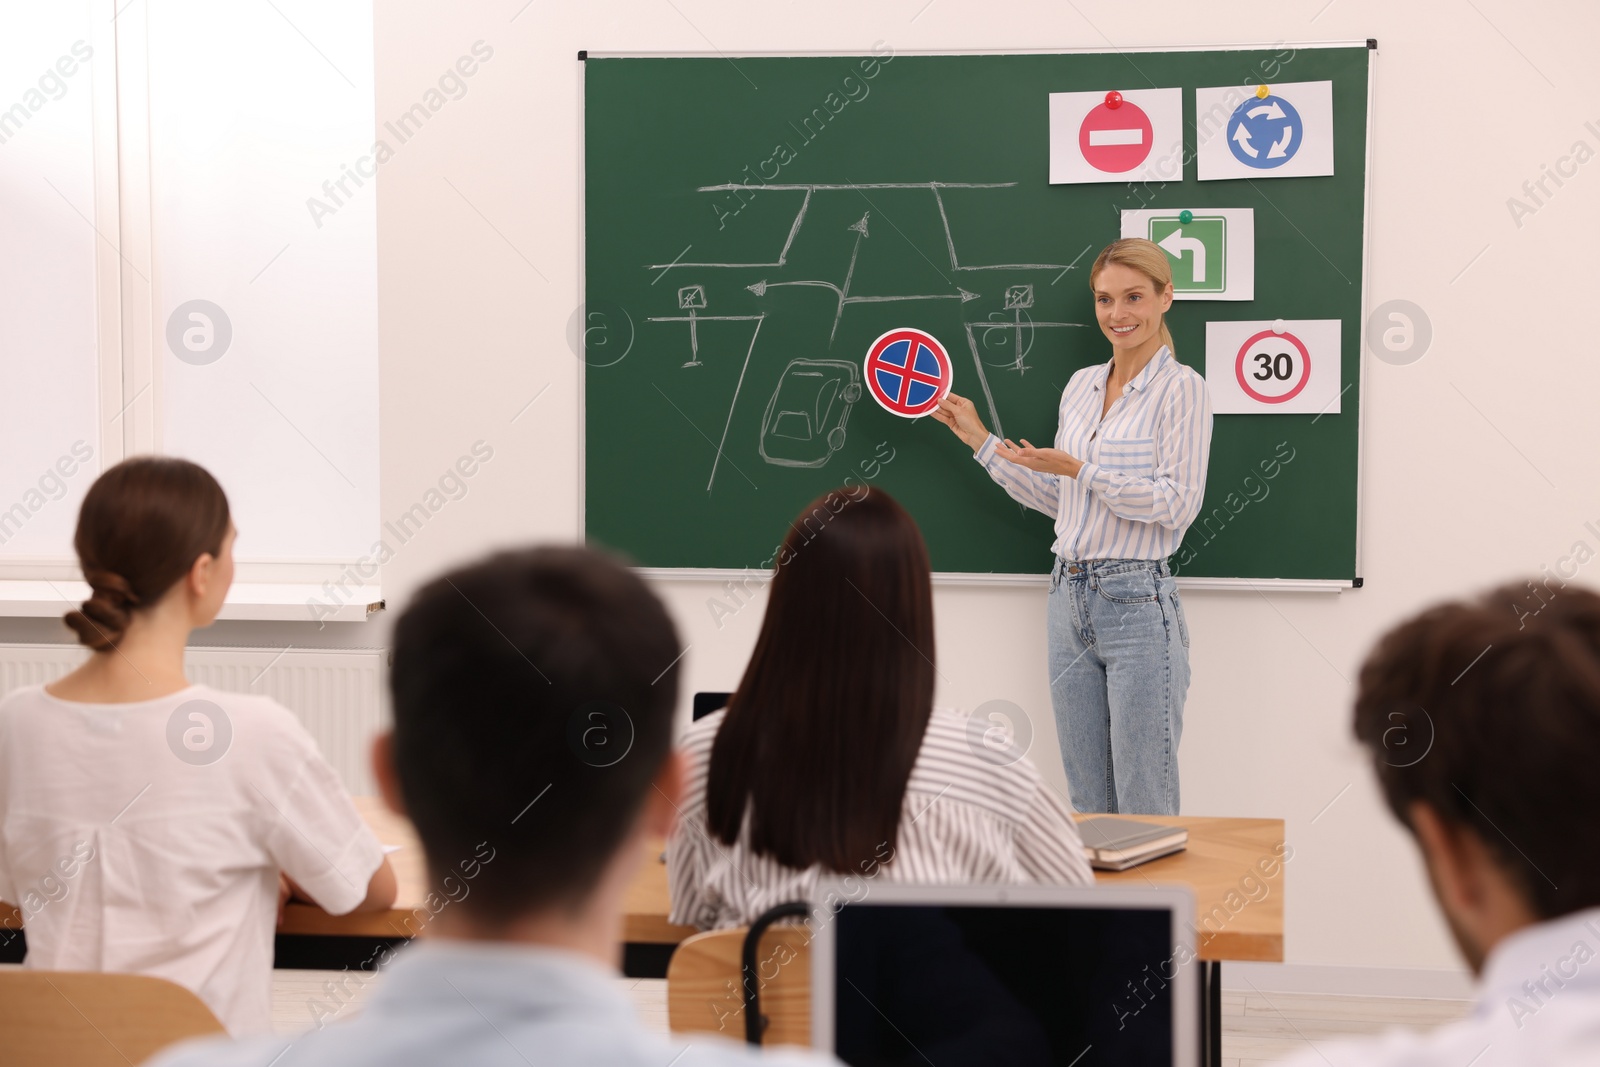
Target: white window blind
{"points": [[165, 286]]}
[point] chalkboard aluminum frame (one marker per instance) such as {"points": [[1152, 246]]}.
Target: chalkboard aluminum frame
{"points": [[962, 578]]}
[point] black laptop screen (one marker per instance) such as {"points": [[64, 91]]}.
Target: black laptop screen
{"points": [[1021, 986]]}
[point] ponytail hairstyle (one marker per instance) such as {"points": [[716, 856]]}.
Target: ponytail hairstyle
{"points": [[1148, 259], [142, 525]]}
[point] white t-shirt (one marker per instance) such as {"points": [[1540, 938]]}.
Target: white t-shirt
{"points": [[146, 838]]}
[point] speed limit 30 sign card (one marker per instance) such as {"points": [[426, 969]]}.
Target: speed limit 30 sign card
{"points": [[1274, 367]]}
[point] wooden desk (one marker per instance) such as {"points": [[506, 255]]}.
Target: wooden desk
{"points": [[310, 919], [1238, 905], [647, 905], [645, 922], [402, 920], [1222, 854], [1239, 911], [1234, 867]]}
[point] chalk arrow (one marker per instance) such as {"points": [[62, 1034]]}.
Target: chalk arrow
{"points": [[860, 226], [1272, 111], [775, 285], [1176, 244], [1242, 135], [1278, 149], [960, 294]]}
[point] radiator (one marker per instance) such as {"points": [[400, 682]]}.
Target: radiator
{"points": [[337, 693]]}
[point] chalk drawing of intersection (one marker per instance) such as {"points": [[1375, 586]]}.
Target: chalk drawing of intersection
{"points": [[805, 420], [805, 430]]}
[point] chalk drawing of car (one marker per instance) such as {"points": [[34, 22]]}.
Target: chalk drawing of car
{"points": [[805, 419]]}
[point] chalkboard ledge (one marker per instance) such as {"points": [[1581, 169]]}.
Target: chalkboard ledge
{"points": [[951, 578]]}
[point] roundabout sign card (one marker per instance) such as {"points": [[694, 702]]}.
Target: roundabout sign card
{"points": [[1274, 367], [1276, 131]]}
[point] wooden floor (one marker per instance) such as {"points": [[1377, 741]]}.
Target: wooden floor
{"points": [[1261, 1028], [1257, 1028]]}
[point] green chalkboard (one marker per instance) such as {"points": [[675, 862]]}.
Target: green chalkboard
{"points": [[741, 193]]}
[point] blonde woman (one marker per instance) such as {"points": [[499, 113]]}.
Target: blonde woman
{"points": [[1123, 482]]}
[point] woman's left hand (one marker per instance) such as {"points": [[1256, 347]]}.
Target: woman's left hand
{"points": [[1045, 460]]}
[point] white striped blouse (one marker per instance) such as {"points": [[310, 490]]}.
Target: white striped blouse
{"points": [[965, 818], [1144, 466]]}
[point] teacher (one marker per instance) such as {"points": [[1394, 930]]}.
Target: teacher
{"points": [[1123, 482]]}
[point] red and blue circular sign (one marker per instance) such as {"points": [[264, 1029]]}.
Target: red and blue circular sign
{"points": [[908, 372], [1115, 136]]}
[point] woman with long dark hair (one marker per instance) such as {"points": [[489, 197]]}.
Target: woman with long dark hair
{"points": [[831, 757], [147, 824]]}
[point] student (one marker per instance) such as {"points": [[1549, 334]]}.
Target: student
{"points": [[1483, 723], [1123, 482], [144, 821], [533, 698], [831, 756]]}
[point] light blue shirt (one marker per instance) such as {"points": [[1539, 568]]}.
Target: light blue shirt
{"points": [[1144, 465], [490, 1005], [1538, 1005]]}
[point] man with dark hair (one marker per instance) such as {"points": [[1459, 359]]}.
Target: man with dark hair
{"points": [[1483, 721], [533, 702]]}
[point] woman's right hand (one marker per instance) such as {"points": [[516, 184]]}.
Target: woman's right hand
{"points": [[959, 413]]}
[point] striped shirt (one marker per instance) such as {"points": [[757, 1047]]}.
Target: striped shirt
{"points": [[966, 817], [1144, 466]]}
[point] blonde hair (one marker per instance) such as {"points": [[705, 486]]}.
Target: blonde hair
{"points": [[1148, 259]]}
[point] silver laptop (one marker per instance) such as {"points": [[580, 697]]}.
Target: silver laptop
{"points": [[1027, 976]]}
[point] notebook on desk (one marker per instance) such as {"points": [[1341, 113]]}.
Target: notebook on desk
{"points": [[1114, 844]]}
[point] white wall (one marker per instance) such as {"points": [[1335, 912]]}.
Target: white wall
{"points": [[1480, 458]]}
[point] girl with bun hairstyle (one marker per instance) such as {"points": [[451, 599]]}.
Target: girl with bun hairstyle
{"points": [[1124, 479], [150, 826]]}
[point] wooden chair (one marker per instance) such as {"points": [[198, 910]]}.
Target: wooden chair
{"points": [[91, 1019], [705, 977]]}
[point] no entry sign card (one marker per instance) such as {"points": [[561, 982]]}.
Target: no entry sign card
{"points": [[1274, 367], [1116, 136]]}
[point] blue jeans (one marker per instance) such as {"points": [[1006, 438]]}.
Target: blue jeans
{"points": [[1119, 670]]}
